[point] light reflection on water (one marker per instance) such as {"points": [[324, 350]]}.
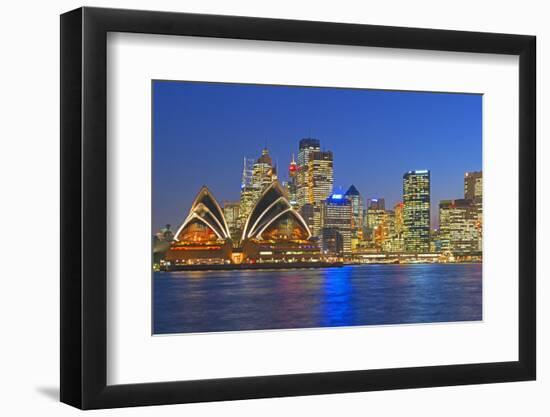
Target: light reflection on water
{"points": [[209, 301]]}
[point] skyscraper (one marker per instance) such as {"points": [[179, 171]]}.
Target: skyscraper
{"points": [[248, 194], [336, 215], [320, 178], [306, 148], [374, 216], [231, 213], [257, 176], [262, 172], [356, 201], [416, 211], [314, 178]]}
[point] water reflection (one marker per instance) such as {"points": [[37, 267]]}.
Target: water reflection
{"points": [[353, 295]]}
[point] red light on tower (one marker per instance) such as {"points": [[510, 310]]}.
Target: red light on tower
{"points": [[293, 167]]}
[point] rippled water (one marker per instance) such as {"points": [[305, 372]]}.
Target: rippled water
{"points": [[349, 296]]}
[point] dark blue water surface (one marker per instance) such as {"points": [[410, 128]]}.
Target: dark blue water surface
{"points": [[210, 301]]}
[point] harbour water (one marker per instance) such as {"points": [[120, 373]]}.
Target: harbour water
{"points": [[214, 301]]}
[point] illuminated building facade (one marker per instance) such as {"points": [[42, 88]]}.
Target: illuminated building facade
{"points": [[374, 218], [257, 176], [262, 172], [320, 177], [319, 182], [307, 147], [203, 237], [398, 210], [473, 185], [458, 226], [393, 226], [332, 243], [357, 209], [248, 194], [416, 211], [231, 212], [336, 214], [473, 190]]}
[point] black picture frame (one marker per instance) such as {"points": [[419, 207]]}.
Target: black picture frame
{"points": [[84, 207]]}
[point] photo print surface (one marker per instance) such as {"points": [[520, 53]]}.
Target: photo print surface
{"points": [[289, 207]]}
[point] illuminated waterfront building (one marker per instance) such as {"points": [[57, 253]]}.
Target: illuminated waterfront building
{"points": [[332, 243], [393, 243], [458, 226], [203, 237], [435, 241], [384, 229], [393, 227], [416, 211], [357, 209], [336, 214]]}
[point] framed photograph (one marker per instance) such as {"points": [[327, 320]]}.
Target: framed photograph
{"points": [[258, 208]]}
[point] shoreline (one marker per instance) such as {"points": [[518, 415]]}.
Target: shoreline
{"points": [[242, 267], [298, 265]]}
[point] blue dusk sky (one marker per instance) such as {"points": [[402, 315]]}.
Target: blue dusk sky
{"points": [[202, 131]]}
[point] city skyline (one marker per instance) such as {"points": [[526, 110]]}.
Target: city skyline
{"points": [[372, 173]]}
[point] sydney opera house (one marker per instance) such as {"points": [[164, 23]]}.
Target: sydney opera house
{"points": [[274, 233]]}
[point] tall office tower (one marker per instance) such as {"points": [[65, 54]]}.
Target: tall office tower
{"points": [[231, 213], [257, 176], [320, 176], [336, 214], [356, 201], [473, 190], [416, 211], [458, 226], [320, 179], [291, 184], [263, 172], [306, 148], [248, 193]]}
